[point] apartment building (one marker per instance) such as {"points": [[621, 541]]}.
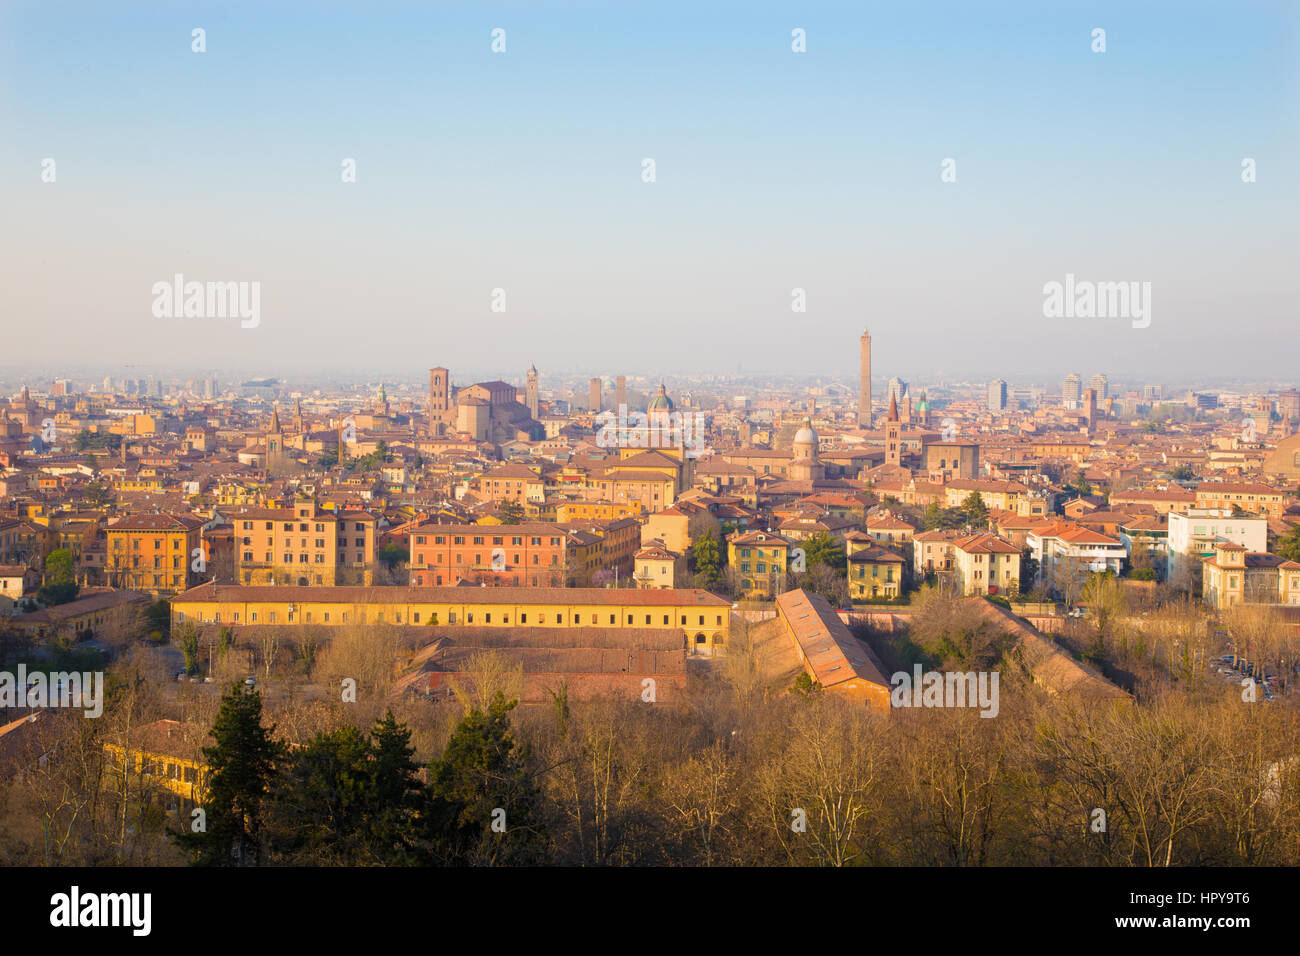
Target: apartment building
{"points": [[1247, 495], [532, 554], [655, 567], [1193, 535], [155, 553], [760, 560], [1063, 547], [874, 573], [986, 564], [304, 545], [932, 551]]}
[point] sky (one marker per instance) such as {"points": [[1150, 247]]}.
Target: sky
{"points": [[523, 171]]}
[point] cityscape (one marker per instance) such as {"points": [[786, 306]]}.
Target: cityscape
{"points": [[518, 451]]}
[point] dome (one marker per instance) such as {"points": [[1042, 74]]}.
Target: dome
{"points": [[924, 404], [661, 402], [805, 435]]}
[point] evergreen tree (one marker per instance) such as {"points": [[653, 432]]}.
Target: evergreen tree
{"points": [[708, 558], [975, 510], [1288, 546], [484, 808], [821, 548], [241, 764]]}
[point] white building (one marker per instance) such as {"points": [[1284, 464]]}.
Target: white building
{"points": [[1064, 547], [1193, 534]]}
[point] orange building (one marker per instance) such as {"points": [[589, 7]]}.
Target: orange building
{"points": [[530, 554], [153, 553]]}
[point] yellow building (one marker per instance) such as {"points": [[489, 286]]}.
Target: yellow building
{"points": [[153, 552], [655, 567], [759, 560], [1237, 576], [996, 495], [1247, 495], [167, 753], [596, 510], [874, 573], [702, 618]]}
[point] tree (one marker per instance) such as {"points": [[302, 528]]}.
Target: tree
{"points": [[1080, 486], [1028, 570], [826, 582], [707, 557], [975, 510], [1183, 473], [1288, 546], [510, 512], [241, 763], [187, 638], [483, 806], [97, 494], [822, 549], [1104, 596], [60, 585], [350, 799], [937, 517]]}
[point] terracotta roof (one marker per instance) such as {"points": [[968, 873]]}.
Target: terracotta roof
{"points": [[832, 653], [237, 593]]}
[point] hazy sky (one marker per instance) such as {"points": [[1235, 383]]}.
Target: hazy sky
{"points": [[774, 170]]}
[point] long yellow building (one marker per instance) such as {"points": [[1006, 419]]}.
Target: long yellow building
{"points": [[701, 617]]}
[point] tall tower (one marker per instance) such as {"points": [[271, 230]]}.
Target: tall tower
{"points": [[620, 392], [893, 436], [864, 384], [439, 400], [593, 395], [274, 440], [530, 392]]}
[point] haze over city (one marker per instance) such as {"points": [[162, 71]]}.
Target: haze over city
{"points": [[522, 171]]}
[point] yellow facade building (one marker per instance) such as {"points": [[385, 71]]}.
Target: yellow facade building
{"points": [[760, 561], [703, 618]]}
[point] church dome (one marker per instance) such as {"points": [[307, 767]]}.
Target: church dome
{"points": [[805, 435], [661, 402]]}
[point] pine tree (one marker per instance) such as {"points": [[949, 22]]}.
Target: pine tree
{"points": [[484, 808], [241, 764]]}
